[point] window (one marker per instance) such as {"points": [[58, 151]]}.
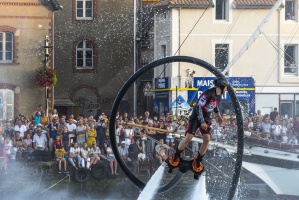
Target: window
{"points": [[6, 104], [290, 10], [290, 59], [84, 55], [221, 9], [163, 55], [84, 9], [6, 47], [221, 56]]}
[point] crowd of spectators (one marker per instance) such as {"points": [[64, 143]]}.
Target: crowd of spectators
{"points": [[273, 126], [82, 141]]}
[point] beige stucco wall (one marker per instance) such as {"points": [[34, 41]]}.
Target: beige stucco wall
{"points": [[32, 24], [259, 61]]}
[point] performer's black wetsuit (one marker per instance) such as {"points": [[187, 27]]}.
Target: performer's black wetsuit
{"points": [[207, 103]]}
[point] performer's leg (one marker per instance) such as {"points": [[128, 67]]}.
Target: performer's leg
{"points": [[205, 144], [182, 145]]}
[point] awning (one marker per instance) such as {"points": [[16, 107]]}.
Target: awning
{"points": [[63, 102]]}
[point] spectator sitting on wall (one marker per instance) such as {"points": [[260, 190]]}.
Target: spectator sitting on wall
{"points": [[293, 140], [59, 153]]}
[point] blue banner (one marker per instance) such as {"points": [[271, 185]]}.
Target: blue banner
{"points": [[243, 86]]}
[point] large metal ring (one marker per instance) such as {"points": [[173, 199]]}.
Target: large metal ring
{"points": [[134, 77]]}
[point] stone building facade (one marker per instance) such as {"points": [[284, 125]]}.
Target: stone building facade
{"points": [[24, 26], [93, 47]]}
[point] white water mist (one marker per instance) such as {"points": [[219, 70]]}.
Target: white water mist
{"points": [[200, 190], [151, 187]]}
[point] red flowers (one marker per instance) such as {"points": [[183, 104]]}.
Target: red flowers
{"points": [[45, 76]]}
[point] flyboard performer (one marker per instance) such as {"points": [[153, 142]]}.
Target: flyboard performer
{"points": [[200, 118]]}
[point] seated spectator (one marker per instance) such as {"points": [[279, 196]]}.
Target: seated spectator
{"points": [[160, 151], [95, 154], [91, 133], [74, 155], [59, 153], [293, 140], [40, 141], [6, 152], [123, 151], [284, 138], [85, 152], [107, 150], [21, 128], [18, 145], [9, 132], [27, 146]]}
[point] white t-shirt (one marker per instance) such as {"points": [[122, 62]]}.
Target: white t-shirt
{"points": [[109, 150], [22, 130], [71, 127], [159, 149], [74, 150], [85, 152], [95, 152], [40, 140], [276, 129]]}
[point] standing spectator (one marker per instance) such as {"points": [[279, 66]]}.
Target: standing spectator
{"points": [[118, 131], [40, 141], [95, 154], [59, 153], [37, 115], [52, 133], [265, 126], [134, 150], [81, 133], [159, 134], [147, 116], [169, 138], [150, 144], [128, 135], [160, 151], [21, 128], [276, 129], [62, 123], [72, 130], [91, 133], [65, 138], [74, 154], [85, 152], [101, 132], [44, 120], [54, 114], [9, 132], [123, 151], [273, 115]]}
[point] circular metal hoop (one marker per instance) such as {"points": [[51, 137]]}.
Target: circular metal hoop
{"points": [[134, 77]]}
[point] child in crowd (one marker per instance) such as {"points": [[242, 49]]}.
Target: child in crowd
{"points": [[59, 153], [293, 140], [65, 137], [57, 142]]}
